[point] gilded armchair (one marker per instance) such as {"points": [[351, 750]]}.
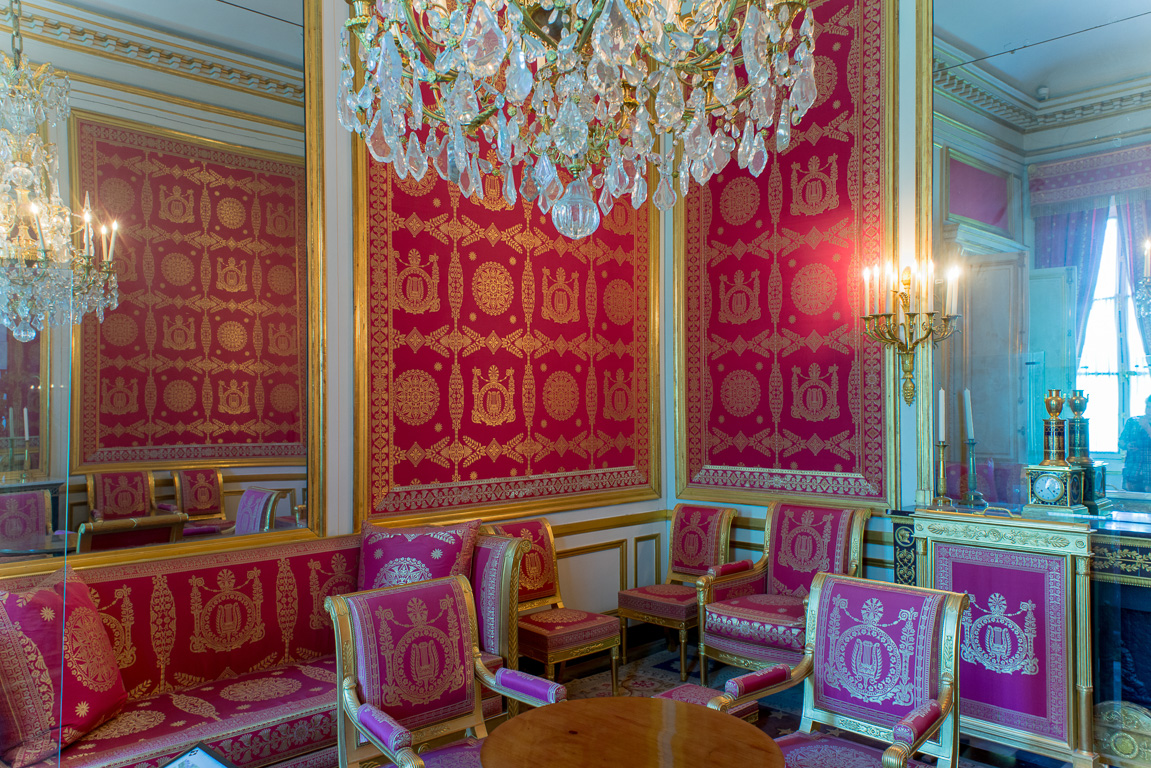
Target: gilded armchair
{"points": [[200, 495]]}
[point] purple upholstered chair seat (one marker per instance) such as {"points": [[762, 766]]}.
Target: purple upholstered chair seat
{"points": [[208, 527], [559, 629], [462, 754], [668, 601], [816, 750], [697, 694], [775, 621]]}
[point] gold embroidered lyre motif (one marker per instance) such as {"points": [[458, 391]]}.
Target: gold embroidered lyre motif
{"points": [[280, 219], [231, 277], [282, 339], [234, 397], [688, 544], [995, 641], [177, 206], [815, 397], [806, 547], [123, 499], [739, 298], [493, 399], [864, 660], [536, 569], [336, 582], [813, 189], [561, 297], [416, 287], [230, 618], [419, 665], [618, 403], [121, 397], [179, 332]]}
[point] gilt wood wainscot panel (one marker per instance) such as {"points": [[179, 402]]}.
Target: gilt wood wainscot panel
{"points": [[203, 361], [500, 362], [779, 392]]}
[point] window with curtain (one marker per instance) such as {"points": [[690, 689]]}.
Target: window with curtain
{"points": [[1113, 368]]}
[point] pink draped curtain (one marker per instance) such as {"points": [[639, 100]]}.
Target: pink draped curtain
{"points": [[1073, 239]]}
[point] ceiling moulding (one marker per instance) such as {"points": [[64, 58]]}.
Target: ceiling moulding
{"points": [[79, 35]]}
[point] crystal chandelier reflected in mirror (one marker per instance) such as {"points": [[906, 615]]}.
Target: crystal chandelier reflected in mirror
{"points": [[578, 91], [45, 278]]}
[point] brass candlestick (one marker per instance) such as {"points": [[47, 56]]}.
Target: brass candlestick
{"points": [[973, 498], [941, 498], [1054, 444]]}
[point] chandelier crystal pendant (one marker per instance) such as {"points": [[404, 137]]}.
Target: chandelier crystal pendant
{"points": [[45, 279], [584, 87]]}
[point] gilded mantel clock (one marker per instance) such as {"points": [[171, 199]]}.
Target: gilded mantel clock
{"points": [[1055, 485]]}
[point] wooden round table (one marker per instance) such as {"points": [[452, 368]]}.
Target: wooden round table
{"points": [[631, 732]]}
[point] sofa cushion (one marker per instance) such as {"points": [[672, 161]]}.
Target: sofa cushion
{"points": [[676, 602], [58, 673], [393, 556], [773, 620], [560, 629], [251, 720]]}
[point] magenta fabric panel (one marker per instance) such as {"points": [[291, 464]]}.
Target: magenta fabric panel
{"points": [[801, 750], [490, 589], [393, 556], [1092, 178], [252, 512], [200, 491], [140, 537], [757, 681], [805, 541], [530, 685], [23, 515], [1013, 652], [876, 649], [917, 722], [413, 650], [676, 602], [696, 538], [257, 719], [772, 620], [729, 568], [561, 628], [378, 723], [697, 694], [464, 754], [979, 195], [120, 494], [538, 578]]}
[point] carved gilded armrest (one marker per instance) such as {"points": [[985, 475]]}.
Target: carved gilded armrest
{"points": [[765, 682], [520, 686], [375, 725], [727, 577], [916, 727]]}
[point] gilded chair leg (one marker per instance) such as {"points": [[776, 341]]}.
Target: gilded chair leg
{"points": [[550, 671], [615, 671], [623, 639], [683, 655], [702, 662]]}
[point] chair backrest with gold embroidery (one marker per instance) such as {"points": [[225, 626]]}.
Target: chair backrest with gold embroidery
{"points": [[199, 492], [700, 538], [803, 540], [880, 651], [539, 569], [25, 514], [411, 651], [254, 514], [121, 495]]}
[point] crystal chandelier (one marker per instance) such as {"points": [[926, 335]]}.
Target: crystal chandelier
{"points": [[44, 278], [565, 90]]}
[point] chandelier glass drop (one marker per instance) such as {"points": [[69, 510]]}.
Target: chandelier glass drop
{"points": [[45, 279], [561, 102]]}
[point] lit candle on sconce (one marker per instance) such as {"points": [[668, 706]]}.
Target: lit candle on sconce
{"points": [[112, 248]]}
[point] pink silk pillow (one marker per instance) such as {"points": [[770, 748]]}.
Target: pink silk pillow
{"points": [[393, 556], [58, 673]]}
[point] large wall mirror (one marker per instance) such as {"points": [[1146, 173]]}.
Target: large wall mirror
{"points": [[198, 397], [1042, 176]]}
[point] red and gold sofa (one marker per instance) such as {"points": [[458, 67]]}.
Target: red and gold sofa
{"points": [[235, 650]]}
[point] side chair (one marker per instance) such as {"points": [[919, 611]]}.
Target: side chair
{"points": [[255, 511], [880, 661], [700, 539], [751, 614], [200, 495]]}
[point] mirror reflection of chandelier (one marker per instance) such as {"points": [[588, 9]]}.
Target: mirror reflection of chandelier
{"points": [[45, 279], [577, 90]]}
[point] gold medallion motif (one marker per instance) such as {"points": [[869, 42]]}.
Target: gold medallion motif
{"points": [[687, 545], [561, 297], [119, 630], [280, 219], [492, 288], [177, 205], [230, 618], [83, 635], [416, 287], [119, 330], [232, 335], [739, 201], [619, 302], [338, 580], [179, 333], [813, 189], [124, 498], [815, 397], [262, 689], [231, 277], [284, 398], [559, 616], [282, 279], [995, 641], [231, 213], [234, 397], [202, 490], [422, 664], [177, 269], [179, 396], [117, 196], [739, 393], [864, 660], [739, 298], [493, 399], [813, 289], [618, 402], [561, 395], [282, 339], [127, 724], [119, 398], [415, 396], [536, 565], [804, 547]]}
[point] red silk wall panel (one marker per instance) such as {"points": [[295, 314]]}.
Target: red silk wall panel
{"points": [[204, 360], [503, 362], [780, 393]]}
